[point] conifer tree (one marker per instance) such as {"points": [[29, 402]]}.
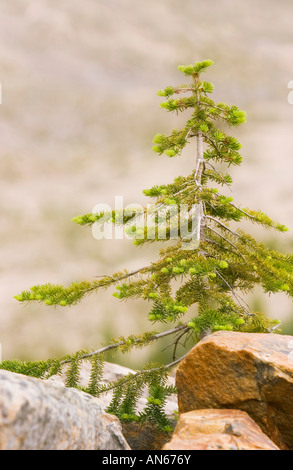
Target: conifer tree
{"points": [[197, 284]]}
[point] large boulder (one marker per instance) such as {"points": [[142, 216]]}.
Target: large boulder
{"points": [[45, 415], [218, 430], [252, 372]]}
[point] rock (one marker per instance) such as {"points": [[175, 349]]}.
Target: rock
{"points": [[252, 372], [218, 430], [144, 436], [44, 415], [139, 436]]}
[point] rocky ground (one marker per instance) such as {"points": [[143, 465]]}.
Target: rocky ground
{"points": [[78, 114], [234, 393]]}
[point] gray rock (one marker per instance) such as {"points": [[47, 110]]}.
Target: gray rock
{"points": [[45, 415]]}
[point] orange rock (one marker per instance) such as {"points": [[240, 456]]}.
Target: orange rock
{"points": [[252, 372], [218, 430]]}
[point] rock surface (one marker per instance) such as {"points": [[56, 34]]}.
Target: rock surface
{"points": [[249, 372], [44, 415], [218, 430]]}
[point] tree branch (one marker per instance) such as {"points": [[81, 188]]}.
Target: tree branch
{"points": [[136, 341]]}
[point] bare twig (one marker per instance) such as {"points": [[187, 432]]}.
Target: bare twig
{"points": [[176, 342]]}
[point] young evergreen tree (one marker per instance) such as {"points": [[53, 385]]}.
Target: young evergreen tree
{"points": [[196, 284]]}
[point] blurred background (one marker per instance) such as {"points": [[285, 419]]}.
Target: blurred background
{"points": [[79, 111]]}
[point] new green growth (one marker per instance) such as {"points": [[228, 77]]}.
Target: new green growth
{"points": [[197, 284]]}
